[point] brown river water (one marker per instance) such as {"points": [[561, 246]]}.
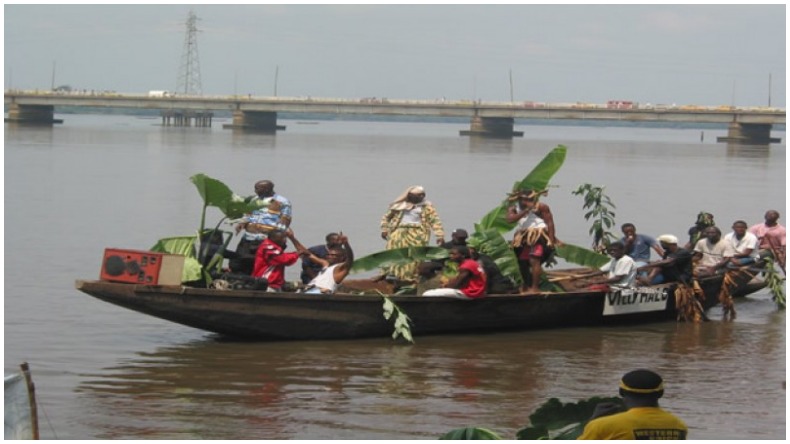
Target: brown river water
{"points": [[104, 372]]}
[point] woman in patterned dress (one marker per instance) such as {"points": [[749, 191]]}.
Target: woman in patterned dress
{"points": [[408, 222]]}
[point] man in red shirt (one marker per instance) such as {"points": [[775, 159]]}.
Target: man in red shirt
{"points": [[271, 258], [470, 282]]}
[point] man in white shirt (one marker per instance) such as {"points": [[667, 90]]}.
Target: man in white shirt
{"points": [[744, 243], [334, 268], [620, 271]]}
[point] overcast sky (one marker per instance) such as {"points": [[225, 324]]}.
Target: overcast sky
{"points": [[660, 54]]}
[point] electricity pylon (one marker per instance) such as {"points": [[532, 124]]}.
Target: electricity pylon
{"points": [[189, 72]]}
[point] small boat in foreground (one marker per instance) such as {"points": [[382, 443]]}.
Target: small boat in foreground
{"points": [[260, 315], [21, 411]]}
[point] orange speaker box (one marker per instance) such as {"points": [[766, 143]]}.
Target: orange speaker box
{"points": [[141, 267]]}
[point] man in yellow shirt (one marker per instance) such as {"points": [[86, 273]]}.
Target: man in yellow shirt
{"points": [[644, 419]]}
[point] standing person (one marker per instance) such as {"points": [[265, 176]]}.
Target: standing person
{"points": [[744, 243], [772, 236], [620, 271], [704, 220], [275, 217], [271, 258], [408, 223], [712, 253], [470, 283], [644, 419], [310, 269], [534, 240], [638, 245], [334, 268]]}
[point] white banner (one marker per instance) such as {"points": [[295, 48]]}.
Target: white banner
{"points": [[635, 300]]}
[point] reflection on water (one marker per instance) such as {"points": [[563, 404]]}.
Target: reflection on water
{"points": [[246, 139], [376, 389], [32, 134], [479, 144], [748, 151]]}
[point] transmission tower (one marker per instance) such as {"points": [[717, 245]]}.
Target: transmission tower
{"points": [[189, 71]]}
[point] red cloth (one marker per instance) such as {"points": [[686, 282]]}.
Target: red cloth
{"points": [[476, 284], [598, 287], [270, 262], [532, 251]]}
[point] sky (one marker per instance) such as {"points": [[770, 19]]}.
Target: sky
{"points": [[707, 55]]}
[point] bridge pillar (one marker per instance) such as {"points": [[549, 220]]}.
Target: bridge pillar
{"points": [[32, 114], [259, 121], [185, 118], [493, 127], [749, 134]]}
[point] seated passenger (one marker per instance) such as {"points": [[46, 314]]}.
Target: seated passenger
{"points": [[429, 276], [271, 258], [470, 283], [712, 253], [704, 221], [497, 283], [674, 267], [744, 243], [638, 245], [311, 269], [457, 239], [334, 268], [620, 271], [772, 236]]}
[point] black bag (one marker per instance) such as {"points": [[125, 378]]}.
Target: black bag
{"points": [[240, 282]]}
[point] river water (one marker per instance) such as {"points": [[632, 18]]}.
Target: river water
{"points": [[103, 372]]}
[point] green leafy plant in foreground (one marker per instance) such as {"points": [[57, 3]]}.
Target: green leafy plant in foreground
{"points": [[185, 246], [470, 433], [557, 420], [552, 420]]}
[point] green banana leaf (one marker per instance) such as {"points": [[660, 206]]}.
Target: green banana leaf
{"points": [[470, 433], [581, 256], [555, 420], [488, 239], [537, 179], [217, 194], [184, 246], [398, 256], [491, 243]]}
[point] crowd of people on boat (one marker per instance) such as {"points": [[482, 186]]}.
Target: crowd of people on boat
{"points": [[410, 220]]}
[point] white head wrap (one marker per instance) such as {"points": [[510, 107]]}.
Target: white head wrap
{"points": [[402, 204], [667, 239]]}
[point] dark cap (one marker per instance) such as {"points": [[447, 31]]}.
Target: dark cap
{"points": [[642, 383], [460, 232]]}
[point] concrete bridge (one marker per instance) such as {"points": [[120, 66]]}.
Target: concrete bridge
{"points": [[488, 119]]}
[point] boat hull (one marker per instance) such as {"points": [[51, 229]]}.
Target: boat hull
{"points": [[256, 315]]}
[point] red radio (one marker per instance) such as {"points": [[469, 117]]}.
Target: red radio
{"points": [[141, 267]]}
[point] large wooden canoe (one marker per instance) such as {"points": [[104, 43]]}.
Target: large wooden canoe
{"points": [[258, 315]]}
